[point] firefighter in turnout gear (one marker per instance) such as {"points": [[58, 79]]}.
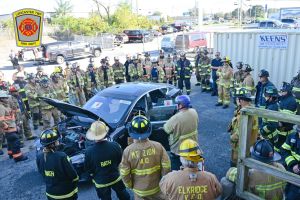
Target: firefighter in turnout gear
{"points": [[105, 74], [75, 82], [243, 99], [225, 74], [157, 73], [205, 72], [259, 183], [288, 105], [144, 162], [92, 84], [161, 58], [147, 67], [290, 151], [104, 167], [198, 58], [182, 125], [56, 168], [59, 87], [296, 90], [269, 128], [238, 76], [9, 127], [135, 70], [248, 81], [39, 73], [190, 182], [183, 73], [32, 89], [119, 71], [169, 69], [47, 110]]}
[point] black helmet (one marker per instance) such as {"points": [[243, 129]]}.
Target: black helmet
{"points": [[286, 87], [271, 91], [263, 73], [263, 151], [239, 65], [140, 128], [103, 61], [30, 76], [242, 93], [49, 136], [44, 81], [248, 68]]}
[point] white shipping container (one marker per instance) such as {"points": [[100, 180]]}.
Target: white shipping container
{"points": [[277, 51]]}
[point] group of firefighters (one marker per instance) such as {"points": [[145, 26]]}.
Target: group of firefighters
{"points": [[145, 166]]}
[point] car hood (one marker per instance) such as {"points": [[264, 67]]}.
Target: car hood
{"points": [[71, 110]]}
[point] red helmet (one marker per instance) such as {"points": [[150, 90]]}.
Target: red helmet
{"points": [[13, 88]]}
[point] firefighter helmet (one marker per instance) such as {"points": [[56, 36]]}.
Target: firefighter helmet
{"points": [[263, 151], [242, 93], [226, 59], [271, 91], [3, 94], [116, 58], [48, 137], [239, 65], [30, 76], [190, 150], [97, 131], [182, 54], [286, 87], [57, 69], [248, 68], [263, 73], [183, 100], [140, 127]]}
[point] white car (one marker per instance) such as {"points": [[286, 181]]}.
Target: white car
{"points": [[168, 43]]}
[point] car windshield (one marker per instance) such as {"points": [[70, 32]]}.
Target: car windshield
{"points": [[111, 110], [133, 32], [287, 21]]}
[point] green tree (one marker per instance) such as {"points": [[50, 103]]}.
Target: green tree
{"points": [[156, 13], [63, 8], [257, 11]]}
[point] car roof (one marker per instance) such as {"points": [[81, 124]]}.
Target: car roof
{"points": [[131, 90], [55, 43]]}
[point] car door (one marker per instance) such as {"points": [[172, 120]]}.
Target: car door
{"points": [[77, 48]]}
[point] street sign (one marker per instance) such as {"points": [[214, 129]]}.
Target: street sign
{"points": [[28, 25]]}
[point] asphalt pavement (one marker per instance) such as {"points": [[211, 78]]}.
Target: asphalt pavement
{"points": [[21, 181]]}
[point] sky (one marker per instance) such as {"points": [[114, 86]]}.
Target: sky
{"points": [[168, 7]]}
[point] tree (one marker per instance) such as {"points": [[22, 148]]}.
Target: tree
{"points": [[157, 13], [103, 6], [63, 8], [257, 11]]}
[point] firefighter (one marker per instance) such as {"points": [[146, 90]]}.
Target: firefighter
{"points": [[205, 72], [144, 162], [248, 81], [31, 90], [59, 87], [20, 71], [119, 71], [135, 70], [67, 70], [107, 61], [238, 76], [47, 110], [105, 74], [39, 73], [296, 90], [197, 66], [157, 73], [75, 83], [183, 73], [92, 83], [161, 58], [169, 69], [288, 105], [259, 183], [126, 65], [181, 126], [243, 100], [225, 74], [199, 183], [104, 167], [56, 168], [9, 127], [269, 128], [290, 151], [22, 115], [147, 67]]}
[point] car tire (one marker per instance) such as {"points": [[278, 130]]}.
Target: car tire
{"points": [[97, 53], [60, 59]]}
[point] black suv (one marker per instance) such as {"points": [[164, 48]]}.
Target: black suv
{"points": [[61, 51], [139, 35]]}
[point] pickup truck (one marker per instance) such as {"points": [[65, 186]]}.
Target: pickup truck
{"points": [[60, 51]]}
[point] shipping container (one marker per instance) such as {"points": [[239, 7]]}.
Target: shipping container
{"points": [[277, 51]]}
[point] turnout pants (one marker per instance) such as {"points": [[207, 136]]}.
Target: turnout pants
{"points": [[35, 116], [13, 145], [74, 197], [185, 82], [224, 95], [77, 97], [47, 115], [120, 189]]}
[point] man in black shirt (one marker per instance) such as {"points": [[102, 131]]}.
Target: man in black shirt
{"points": [[102, 161], [126, 64], [215, 64]]}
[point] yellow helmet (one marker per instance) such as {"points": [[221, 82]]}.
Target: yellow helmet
{"points": [[190, 150], [57, 70]]}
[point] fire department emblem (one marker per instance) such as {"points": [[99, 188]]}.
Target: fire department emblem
{"points": [[28, 27]]}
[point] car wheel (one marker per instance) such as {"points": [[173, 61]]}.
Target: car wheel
{"points": [[97, 53], [60, 59]]}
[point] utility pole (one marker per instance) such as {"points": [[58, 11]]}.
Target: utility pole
{"points": [[200, 14], [240, 13], [137, 6]]}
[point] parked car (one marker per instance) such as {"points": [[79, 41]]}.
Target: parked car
{"points": [[155, 33], [116, 106], [168, 43], [292, 23], [269, 24], [138, 35], [60, 51], [122, 37], [190, 41]]}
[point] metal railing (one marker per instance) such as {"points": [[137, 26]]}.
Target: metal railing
{"points": [[244, 162]]}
